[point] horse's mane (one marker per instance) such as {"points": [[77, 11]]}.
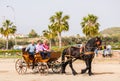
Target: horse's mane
{"points": [[90, 42]]}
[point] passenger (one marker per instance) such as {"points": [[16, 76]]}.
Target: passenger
{"points": [[45, 45], [46, 49], [31, 50], [39, 46], [40, 49]]}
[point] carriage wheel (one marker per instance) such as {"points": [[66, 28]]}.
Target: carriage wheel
{"points": [[35, 70], [56, 67], [43, 68], [20, 66]]}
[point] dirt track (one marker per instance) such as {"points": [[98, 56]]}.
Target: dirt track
{"points": [[104, 71]]}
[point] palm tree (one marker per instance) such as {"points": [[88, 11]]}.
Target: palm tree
{"points": [[90, 26], [32, 34], [7, 29], [59, 24], [49, 34]]}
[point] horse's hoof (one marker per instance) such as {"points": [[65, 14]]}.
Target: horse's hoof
{"points": [[75, 73], [83, 71], [91, 74], [63, 72]]}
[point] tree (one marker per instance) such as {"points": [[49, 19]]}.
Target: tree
{"points": [[49, 34], [32, 34], [59, 24], [7, 28], [90, 26]]}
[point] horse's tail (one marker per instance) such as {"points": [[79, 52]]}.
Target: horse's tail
{"points": [[63, 54]]}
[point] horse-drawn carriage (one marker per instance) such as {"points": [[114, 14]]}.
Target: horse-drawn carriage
{"points": [[71, 53], [40, 65]]}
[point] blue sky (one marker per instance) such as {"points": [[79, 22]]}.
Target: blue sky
{"points": [[35, 14]]}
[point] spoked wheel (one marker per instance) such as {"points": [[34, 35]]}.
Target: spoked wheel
{"points": [[56, 67], [43, 68], [20, 66], [35, 70]]}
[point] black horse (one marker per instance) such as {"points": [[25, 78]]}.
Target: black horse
{"points": [[73, 53]]}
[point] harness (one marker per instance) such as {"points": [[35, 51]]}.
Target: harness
{"points": [[81, 54], [89, 53]]}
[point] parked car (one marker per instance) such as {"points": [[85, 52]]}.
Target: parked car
{"points": [[17, 47], [78, 45]]}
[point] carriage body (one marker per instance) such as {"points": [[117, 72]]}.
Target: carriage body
{"points": [[41, 65], [54, 56]]}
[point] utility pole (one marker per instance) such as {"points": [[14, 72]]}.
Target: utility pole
{"points": [[14, 20]]}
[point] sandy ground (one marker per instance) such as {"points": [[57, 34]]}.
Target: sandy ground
{"points": [[103, 71]]}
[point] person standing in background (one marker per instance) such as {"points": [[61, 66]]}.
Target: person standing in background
{"points": [[109, 47]]}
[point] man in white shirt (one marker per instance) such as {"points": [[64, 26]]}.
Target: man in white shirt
{"points": [[109, 49]]}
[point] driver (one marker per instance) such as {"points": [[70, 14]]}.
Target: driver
{"points": [[31, 50]]}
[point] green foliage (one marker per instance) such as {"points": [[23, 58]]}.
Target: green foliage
{"points": [[90, 26], [10, 54], [22, 42], [10, 44], [32, 34], [113, 41], [10, 51], [115, 48], [56, 48], [71, 40], [49, 34], [2, 44], [59, 23]]}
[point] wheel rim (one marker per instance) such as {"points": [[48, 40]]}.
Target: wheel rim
{"points": [[43, 68], [56, 68], [20, 66]]}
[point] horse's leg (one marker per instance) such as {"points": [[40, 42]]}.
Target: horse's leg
{"points": [[71, 66], [64, 64], [88, 62], [87, 66]]}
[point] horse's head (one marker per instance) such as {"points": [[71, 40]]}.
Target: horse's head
{"points": [[93, 43], [98, 42]]}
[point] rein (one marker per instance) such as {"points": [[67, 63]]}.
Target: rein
{"points": [[90, 52]]}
